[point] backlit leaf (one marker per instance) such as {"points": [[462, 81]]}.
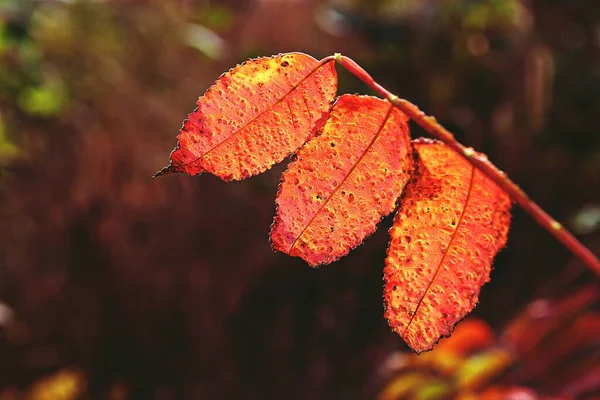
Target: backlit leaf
{"points": [[471, 336], [343, 181], [497, 392], [254, 116], [451, 223], [534, 324], [66, 384]]}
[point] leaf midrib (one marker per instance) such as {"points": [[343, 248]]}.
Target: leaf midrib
{"points": [[441, 263], [319, 65], [365, 152]]}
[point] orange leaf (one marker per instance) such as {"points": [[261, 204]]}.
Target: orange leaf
{"points": [[470, 336], [451, 223], [254, 116], [497, 392], [343, 181]]}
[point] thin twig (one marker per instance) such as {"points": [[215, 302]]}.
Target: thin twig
{"points": [[481, 162]]}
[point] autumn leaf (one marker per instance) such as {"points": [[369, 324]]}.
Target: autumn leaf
{"points": [[556, 314], [451, 223], [66, 384], [471, 336], [457, 366], [498, 392], [556, 338], [254, 116], [343, 181]]}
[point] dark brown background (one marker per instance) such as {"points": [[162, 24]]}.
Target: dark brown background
{"points": [[170, 285]]}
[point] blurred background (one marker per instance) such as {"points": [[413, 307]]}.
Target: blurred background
{"points": [[115, 286]]}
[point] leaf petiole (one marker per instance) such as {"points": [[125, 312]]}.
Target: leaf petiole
{"points": [[478, 160]]}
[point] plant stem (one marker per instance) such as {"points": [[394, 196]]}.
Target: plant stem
{"points": [[481, 162]]}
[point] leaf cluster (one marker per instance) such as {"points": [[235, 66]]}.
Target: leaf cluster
{"points": [[353, 161]]}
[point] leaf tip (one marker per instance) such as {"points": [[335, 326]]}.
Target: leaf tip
{"points": [[168, 170]]}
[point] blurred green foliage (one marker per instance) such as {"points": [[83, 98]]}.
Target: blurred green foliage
{"points": [[7, 149], [26, 78]]}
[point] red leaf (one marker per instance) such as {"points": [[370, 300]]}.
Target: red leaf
{"points": [[541, 318], [567, 355], [451, 223], [254, 116], [343, 181], [470, 336], [497, 392]]}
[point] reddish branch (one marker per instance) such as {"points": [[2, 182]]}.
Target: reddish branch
{"points": [[480, 161]]}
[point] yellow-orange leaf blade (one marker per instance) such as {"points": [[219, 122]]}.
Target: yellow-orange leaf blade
{"points": [[451, 223], [343, 181], [254, 116]]}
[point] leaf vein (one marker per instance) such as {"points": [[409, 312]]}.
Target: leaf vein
{"points": [[439, 267], [384, 122], [312, 72]]}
